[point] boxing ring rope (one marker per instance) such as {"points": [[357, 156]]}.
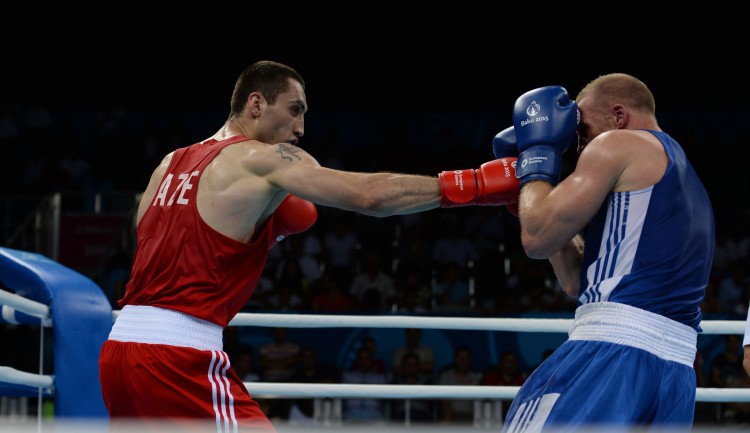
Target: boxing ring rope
{"points": [[17, 309], [301, 390], [462, 323], [18, 304], [347, 390]]}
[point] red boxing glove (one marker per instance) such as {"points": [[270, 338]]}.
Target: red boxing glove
{"points": [[294, 215], [493, 183]]}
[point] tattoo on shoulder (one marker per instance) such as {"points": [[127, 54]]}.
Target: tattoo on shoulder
{"points": [[288, 151]]}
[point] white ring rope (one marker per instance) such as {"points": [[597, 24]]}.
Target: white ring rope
{"points": [[395, 321], [348, 390], [307, 390], [24, 305], [463, 323], [351, 390], [11, 375]]}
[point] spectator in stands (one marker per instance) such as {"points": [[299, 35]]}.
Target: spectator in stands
{"points": [[460, 372], [372, 288], [412, 300], [726, 368], [363, 371], [308, 265], [711, 302], [410, 373], [414, 257], [540, 299], [371, 344], [413, 343], [731, 290], [452, 291], [279, 358], [416, 282], [284, 298], [290, 274], [278, 361], [309, 370], [725, 251], [328, 296], [244, 363], [340, 251], [453, 245], [507, 372]]}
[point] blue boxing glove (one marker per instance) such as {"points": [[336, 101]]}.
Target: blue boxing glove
{"points": [[545, 121], [504, 144]]}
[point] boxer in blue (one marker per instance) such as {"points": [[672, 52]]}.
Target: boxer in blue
{"points": [[640, 273]]}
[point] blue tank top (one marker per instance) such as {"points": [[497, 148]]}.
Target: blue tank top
{"points": [[653, 248]]}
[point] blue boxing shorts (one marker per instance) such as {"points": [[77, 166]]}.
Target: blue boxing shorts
{"points": [[622, 369]]}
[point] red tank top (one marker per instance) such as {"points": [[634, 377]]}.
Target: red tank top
{"points": [[183, 264]]}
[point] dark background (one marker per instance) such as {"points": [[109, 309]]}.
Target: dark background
{"points": [[384, 77], [366, 57]]}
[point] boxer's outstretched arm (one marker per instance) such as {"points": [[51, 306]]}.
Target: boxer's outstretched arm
{"points": [[286, 167], [384, 194], [378, 194]]}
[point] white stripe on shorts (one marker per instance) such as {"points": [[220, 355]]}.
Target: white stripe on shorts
{"points": [[223, 399]]}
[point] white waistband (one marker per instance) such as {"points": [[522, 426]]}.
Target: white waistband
{"points": [[153, 325], [624, 324]]}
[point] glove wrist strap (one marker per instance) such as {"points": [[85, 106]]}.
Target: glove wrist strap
{"points": [[539, 163]]}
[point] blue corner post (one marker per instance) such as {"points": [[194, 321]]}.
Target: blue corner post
{"points": [[81, 321]]}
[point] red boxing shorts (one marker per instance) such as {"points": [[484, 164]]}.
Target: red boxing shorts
{"points": [[161, 383]]}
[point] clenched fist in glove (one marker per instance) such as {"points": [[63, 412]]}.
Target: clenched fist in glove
{"points": [[504, 145], [545, 122], [494, 183], [294, 215]]}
